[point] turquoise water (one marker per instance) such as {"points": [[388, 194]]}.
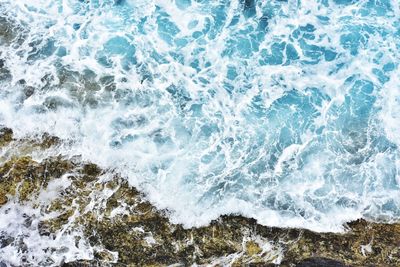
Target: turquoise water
{"points": [[285, 111]]}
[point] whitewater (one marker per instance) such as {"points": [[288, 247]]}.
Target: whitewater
{"points": [[284, 111]]}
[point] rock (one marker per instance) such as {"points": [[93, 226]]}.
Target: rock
{"points": [[252, 248], [6, 136], [5, 240], [319, 262]]}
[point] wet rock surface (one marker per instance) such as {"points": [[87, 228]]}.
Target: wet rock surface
{"points": [[124, 229]]}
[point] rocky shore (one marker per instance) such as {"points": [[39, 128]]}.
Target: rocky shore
{"points": [[99, 212]]}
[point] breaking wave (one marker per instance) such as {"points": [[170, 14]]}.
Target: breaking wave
{"points": [[285, 111]]}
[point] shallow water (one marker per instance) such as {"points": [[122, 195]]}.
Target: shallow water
{"points": [[285, 111]]}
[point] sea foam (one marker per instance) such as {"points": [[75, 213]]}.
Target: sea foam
{"points": [[284, 111]]}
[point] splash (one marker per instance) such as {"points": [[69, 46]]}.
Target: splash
{"points": [[284, 111]]}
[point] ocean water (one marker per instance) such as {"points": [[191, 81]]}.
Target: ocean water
{"points": [[284, 111]]}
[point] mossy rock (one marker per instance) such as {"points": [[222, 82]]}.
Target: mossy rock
{"points": [[6, 136], [252, 248]]}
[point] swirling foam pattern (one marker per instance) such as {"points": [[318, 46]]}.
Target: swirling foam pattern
{"points": [[285, 111]]}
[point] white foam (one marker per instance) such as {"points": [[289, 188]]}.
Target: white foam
{"points": [[200, 166]]}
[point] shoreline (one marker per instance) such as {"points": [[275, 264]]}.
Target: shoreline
{"points": [[107, 222]]}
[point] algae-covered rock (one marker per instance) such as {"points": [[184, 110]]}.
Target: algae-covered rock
{"points": [[6, 136], [252, 248], [24, 178]]}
